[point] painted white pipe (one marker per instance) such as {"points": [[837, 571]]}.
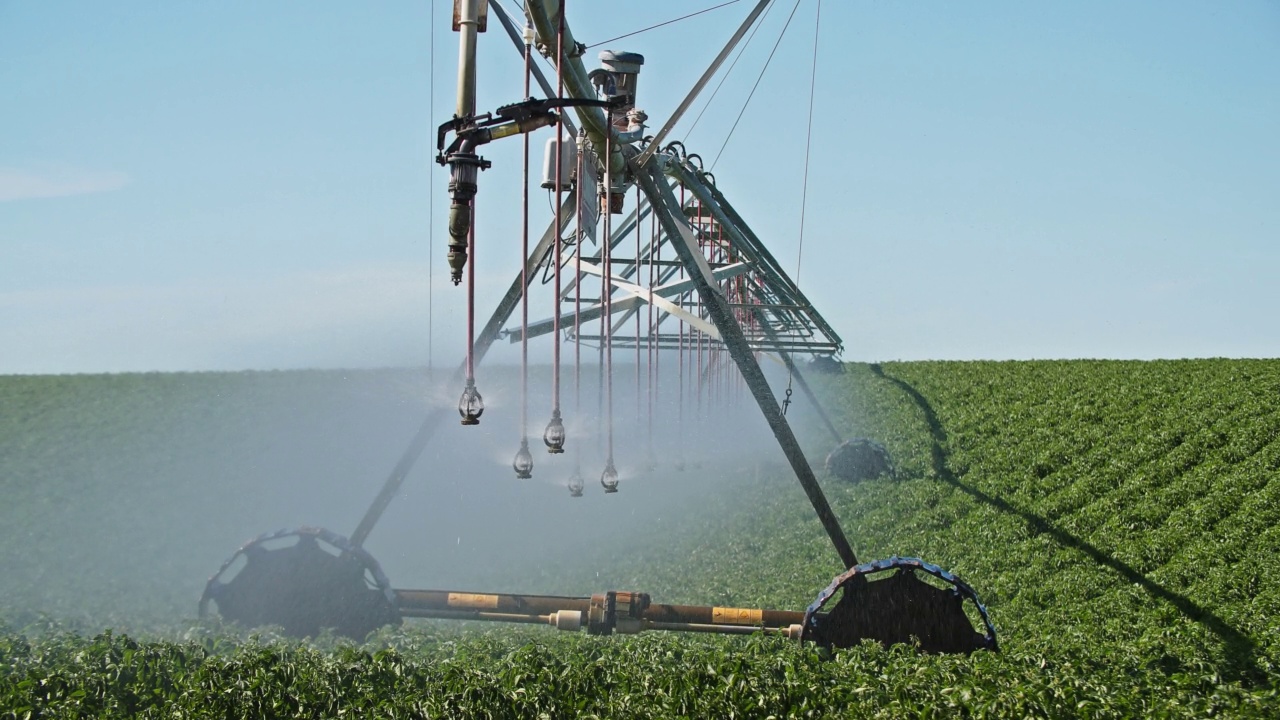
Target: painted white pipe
{"points": [[468, 21]]}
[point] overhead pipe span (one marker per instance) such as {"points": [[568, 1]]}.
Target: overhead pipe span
{"points": [[544, 14]]}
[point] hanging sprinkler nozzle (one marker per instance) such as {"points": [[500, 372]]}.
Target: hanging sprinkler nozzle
{"points": [[523, 464], [576, 484], [470, 405], [609, 478], [554, 435]]}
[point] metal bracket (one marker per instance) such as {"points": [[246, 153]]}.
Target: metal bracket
{"points": [[524, 116]]}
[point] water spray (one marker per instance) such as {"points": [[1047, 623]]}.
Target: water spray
{"points": [[730, 302]]}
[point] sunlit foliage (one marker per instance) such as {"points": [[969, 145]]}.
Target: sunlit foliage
{"points": [[1119, 519]]}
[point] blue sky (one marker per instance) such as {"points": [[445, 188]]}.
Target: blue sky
{"points": [[201, 186]]}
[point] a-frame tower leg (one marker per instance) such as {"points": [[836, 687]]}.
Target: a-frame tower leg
{"points": [[667, 208]]}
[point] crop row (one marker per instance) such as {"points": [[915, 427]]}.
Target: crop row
{"points": [[1119, 518], [522, 674]]}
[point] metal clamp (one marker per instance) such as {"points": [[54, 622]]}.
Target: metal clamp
{"points": [[472, 131]]}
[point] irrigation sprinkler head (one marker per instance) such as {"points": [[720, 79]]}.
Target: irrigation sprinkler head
{"points": [[523, 464], [609, 478], [471, 405], [554, 435], [458, 246], [576, 484]]}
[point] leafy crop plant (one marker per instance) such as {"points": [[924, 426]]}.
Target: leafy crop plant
{"points": [[1119, 518]]}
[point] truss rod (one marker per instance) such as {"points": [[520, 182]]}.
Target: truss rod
{"points": [[669, 341], [757, 245], [639, 297], [746, 241], [735, 228], [702, 83], [656, 187]]}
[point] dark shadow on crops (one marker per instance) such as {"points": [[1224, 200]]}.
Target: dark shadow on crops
{"points": [[1240, 651]]}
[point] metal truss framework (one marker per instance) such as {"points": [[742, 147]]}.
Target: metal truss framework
{"points": [[706, 267], [719, 281], [774, 314]]}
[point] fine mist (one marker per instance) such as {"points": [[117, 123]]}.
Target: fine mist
{"points": [[124, 493]]}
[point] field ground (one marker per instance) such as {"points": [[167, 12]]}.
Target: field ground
{"points": [[1120, 519]]}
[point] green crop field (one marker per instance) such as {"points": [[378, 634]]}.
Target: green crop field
{"points": [[1120, 519]]}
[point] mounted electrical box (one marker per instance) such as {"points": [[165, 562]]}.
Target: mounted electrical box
{"points": [[568, 158]]}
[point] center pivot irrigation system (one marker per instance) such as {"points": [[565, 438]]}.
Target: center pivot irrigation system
{"points": [[699, 282]]}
